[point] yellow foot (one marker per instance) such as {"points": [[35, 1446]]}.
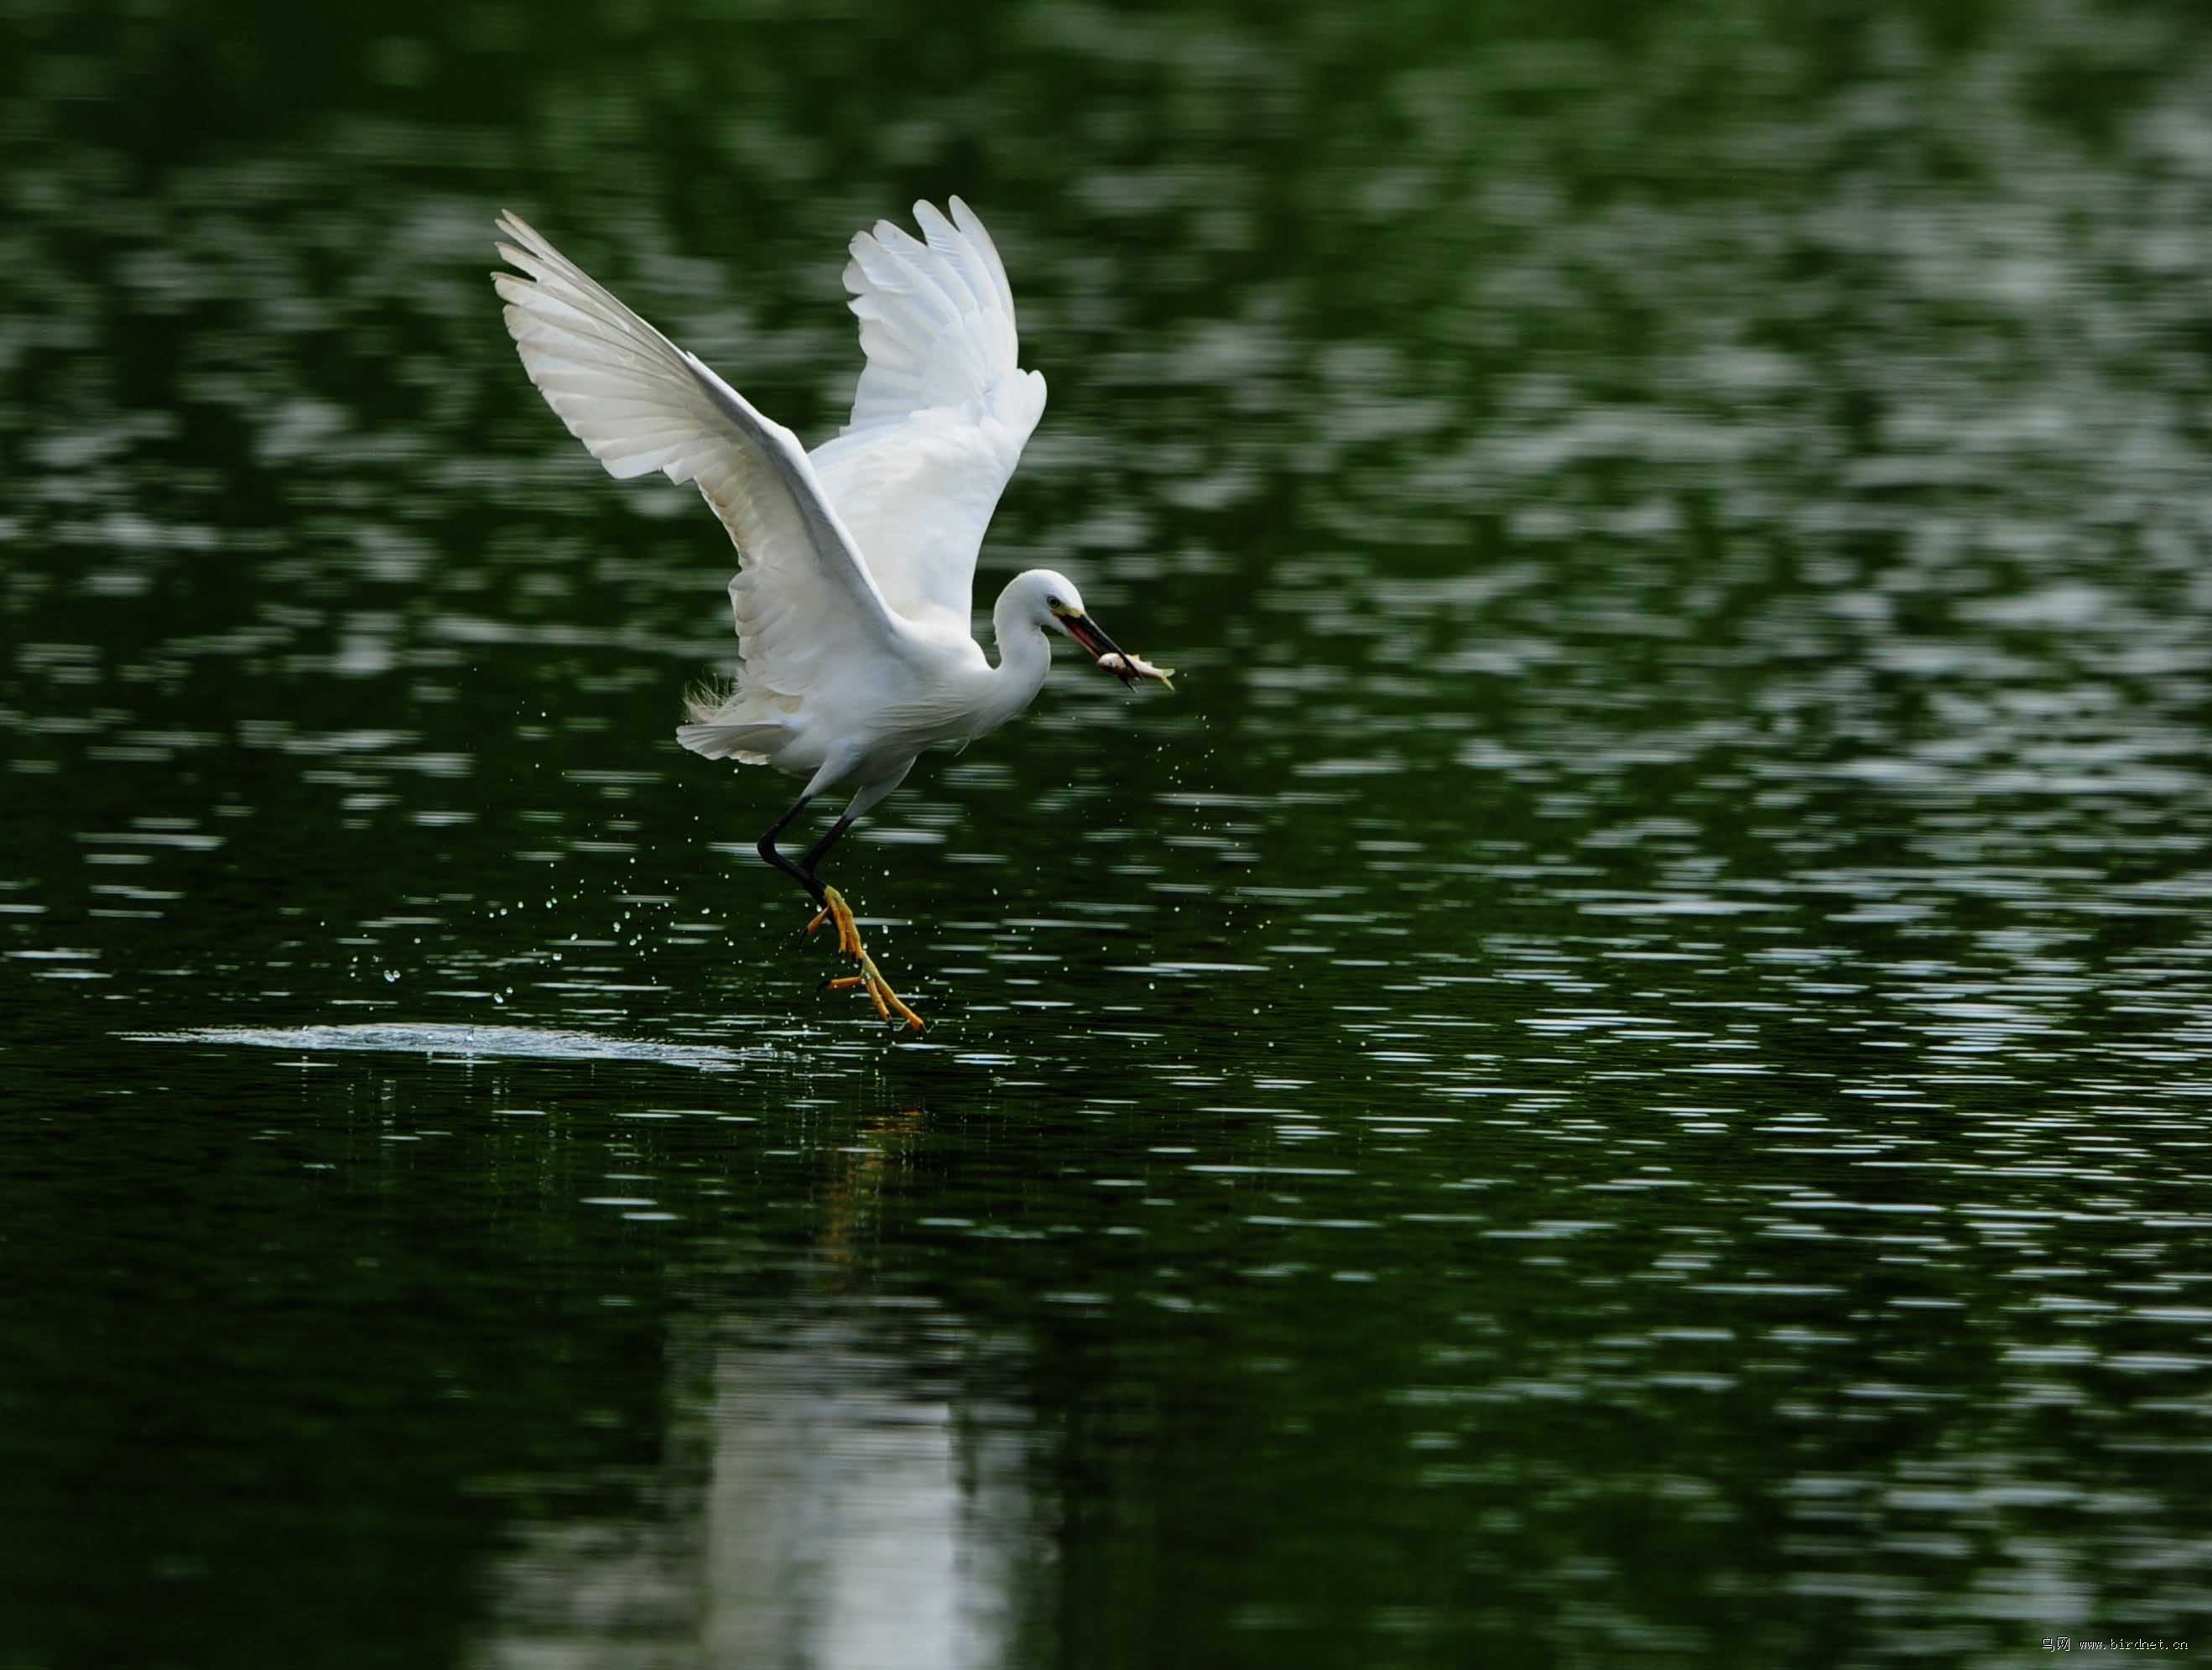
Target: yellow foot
{"points": [[870, 978], [835, 910]]}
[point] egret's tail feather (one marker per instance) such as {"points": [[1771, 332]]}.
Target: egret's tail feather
{"points": [[709, 699], [747, 744]]}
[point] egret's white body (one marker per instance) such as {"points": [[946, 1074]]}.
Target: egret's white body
{"points": [[857, 562]]}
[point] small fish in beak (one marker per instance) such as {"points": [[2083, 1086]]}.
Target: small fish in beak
{"points": [[1130, 668]]}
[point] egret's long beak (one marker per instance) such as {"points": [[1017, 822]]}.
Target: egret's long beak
{"points": [[1088, 633]]}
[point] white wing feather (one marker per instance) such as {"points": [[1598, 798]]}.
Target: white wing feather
{"points": [[805, 605], [941, 414]]}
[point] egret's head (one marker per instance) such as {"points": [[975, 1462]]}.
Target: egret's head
{"points": [[1047, 596], [1058, 606]]}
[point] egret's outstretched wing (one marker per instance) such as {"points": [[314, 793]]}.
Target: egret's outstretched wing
{"points": [[941, 413], [805, 605]]}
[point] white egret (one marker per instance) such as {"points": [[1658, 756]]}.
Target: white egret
{"points": [[856, 562]]}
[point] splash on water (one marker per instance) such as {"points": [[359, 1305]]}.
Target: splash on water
{"points": [[464, 1042]]}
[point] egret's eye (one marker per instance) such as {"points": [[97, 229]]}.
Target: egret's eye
{"points": [[1054, 605]]}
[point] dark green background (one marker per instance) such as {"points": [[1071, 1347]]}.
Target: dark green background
{"points": [[1619, 1076]]}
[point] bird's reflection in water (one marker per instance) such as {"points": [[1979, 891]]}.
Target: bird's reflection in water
{"points": [[863, 1504], [853, 1521]]}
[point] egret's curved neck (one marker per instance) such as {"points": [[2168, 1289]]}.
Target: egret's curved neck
{"points": [[1024, 658]]}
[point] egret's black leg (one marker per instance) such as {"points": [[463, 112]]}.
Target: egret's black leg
{"points": [[820, 849], [805, 876]]}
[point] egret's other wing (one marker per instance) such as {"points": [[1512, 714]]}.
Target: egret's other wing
{"points": [[805, 605], [941, 413]]}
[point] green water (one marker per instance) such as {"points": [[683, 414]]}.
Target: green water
{"points": [[1619, 1076]]}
